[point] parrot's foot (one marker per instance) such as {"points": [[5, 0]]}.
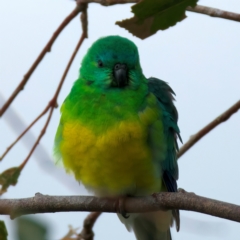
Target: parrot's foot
{"points": [[154, 195], [181, 190], [125, 215], [119, 205]]}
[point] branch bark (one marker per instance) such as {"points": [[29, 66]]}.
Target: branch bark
{"points": [[159, 201], [46, 49], [214, 12], [87, 232], [220, 119], [53, 102]]}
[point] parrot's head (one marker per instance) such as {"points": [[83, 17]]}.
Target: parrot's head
{"points": [[112, 62]]}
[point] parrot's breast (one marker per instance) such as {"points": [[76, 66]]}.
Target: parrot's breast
{"points": [[117, 161]]}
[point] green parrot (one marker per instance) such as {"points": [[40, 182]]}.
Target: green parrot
{"points": [[118, 133]]}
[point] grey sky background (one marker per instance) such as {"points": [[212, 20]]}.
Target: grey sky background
{"points": [[198, 57]]}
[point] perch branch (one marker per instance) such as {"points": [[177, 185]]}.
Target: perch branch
{"points": [[220, 119], [159, 201]]}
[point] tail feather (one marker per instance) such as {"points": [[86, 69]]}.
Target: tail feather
{"points": [[146, 230], [150, 226]]}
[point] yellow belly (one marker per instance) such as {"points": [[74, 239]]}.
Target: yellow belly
{"points": [[115, 162]]}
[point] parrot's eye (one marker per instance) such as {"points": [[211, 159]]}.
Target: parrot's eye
{"points": [[100, 63]]}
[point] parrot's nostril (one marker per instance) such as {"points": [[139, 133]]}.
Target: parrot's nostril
{"points": [[117, 66]]}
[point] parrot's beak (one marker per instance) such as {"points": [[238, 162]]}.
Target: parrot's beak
{"points": [[120, 73]]}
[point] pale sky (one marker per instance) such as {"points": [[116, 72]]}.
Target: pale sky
{"points": [[199, 58]]}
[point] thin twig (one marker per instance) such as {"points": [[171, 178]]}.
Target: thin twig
{"points": [[84, 19], [87, 232], [214, 12], [83, 36], [25, 131], [220, 119], [46, 49], [39, 137], [107, 2], [159, 201], [53, 103]]}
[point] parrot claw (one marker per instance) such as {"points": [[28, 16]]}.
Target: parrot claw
{"points": [[125, 215], [120, 207], [154, 195]]}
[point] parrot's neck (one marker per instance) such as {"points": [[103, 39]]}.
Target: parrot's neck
{"points": [[102, 108]]}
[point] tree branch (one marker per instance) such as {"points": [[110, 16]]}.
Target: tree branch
{"points": [[107, 2], [53, 102], [46, 49], [87, 232], [25, 131], [220, 119], [159, 201], [214, 12]]}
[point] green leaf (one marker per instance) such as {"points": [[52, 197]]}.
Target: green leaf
{"points": [[30, 228], [3, 231], [9, 177], [153, 15]]}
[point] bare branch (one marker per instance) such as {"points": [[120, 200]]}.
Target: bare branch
{"points": [[53, 102], [84, 19], [40, 136], [107, 2], [159, 201], [46, 49], [214, 12], [25, 131], [220, 119], [87, 232]]}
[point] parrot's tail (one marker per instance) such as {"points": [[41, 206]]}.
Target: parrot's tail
{"points": [[150, 226], [147, 230]]}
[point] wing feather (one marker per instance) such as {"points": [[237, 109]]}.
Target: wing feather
{"points": [[169, 166]]}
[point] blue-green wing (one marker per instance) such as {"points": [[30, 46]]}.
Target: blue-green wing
{"points": [[169, 165]]}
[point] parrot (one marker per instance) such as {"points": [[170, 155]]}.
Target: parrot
{"points": [[118, 133]]}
